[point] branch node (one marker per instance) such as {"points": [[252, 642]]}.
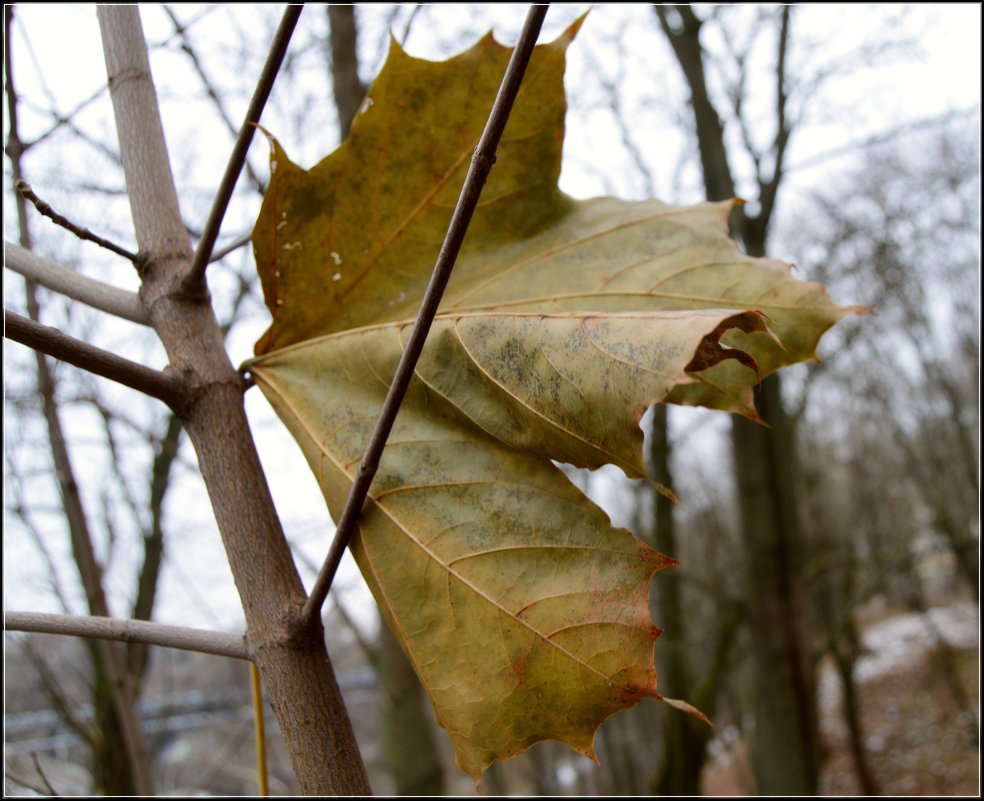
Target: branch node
{"points": [[247, 378]]}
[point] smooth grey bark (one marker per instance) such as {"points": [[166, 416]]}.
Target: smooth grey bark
{"points": [[293, 663]]}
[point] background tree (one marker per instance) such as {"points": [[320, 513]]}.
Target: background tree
{"points": [[786, 735], [885, 517]]}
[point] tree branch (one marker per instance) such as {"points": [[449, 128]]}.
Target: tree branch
{"points": [[478, 171], [45, 210], [769, 189], [166, 387], [181, 30], [685, 41], [68, 282], [196, 276], [294, 664], [230, 247], [54, 688], [127, 631]]}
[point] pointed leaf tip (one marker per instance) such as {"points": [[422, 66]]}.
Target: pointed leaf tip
{"points": [[524, 613]]}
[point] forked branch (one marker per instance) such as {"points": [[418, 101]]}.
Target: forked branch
{"points": [[196, 275]]}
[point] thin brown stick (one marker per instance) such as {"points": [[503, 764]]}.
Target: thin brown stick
{"points": [[234, 245], [478, 172], [20, 781], [259, 733], [37, 767], [45, 210], [166, 387], [196, 275], [219, 643]]}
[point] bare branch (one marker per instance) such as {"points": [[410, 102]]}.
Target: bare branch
{"points": [[369, 650], [478, 172], [234, 245], [27, 784], [406, 28], [180, 30], [107, 628], [110, 660], [65, 120], [769, 189], [278, 49], [295, 664], [45, 210], [684, 38], [37, 767], [160, 483], [54, 688], [166, 387], [68, 282]]}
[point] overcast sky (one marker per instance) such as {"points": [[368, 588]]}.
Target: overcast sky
{"points": [[939, 73]]}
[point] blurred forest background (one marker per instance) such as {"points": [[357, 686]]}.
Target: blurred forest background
{"points": [[825, 613]]}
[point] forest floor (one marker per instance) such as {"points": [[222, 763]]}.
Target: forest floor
{"points": [[918, 741]]}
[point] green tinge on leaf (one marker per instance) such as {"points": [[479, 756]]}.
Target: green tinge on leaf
{"points": [[523, 611]]}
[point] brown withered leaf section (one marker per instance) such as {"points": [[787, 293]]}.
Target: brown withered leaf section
{"points": [[523, 611]]}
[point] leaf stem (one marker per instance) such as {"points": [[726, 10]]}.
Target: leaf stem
{"points": [[196, 274], [478, 171]]}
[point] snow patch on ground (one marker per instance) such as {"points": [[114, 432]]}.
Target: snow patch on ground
{"points": [[894, 643]]}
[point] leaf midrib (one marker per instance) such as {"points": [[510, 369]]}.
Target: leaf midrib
{"points": [[452, 573]]}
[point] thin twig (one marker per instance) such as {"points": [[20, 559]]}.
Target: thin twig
{"points": [[234, 245], [166, 387], [182, 31], [478, 172], [22, 782], [82, 233], [68, 282], [105, 628], [406, 28], [196, 275], [37, 767]]}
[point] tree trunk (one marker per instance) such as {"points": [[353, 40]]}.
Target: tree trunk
{"points": [[120, 757], [408, 731], [293, 663], [786, 752], [348, 89], [684, 738]]}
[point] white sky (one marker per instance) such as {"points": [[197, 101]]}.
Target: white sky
{"points": [[941, 73]]}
